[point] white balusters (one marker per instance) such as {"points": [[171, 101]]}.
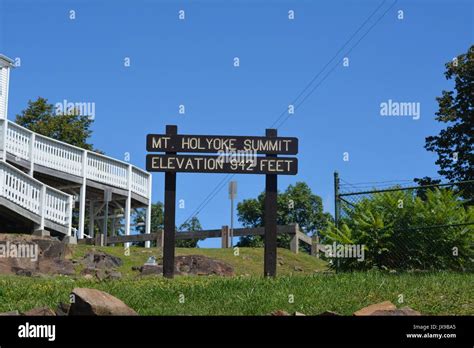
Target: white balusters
{"points": [[18, 140], [53, 154], [140, 182], [106, 170], [34, 196], [56, 155]]}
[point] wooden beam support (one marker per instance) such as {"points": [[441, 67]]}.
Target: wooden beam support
{"points": [[258, 231], [225, 237]]}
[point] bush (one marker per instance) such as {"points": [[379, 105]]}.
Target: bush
{"points": [[402, 231]]}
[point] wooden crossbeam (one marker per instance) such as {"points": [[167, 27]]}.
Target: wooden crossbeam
{"points": [[238, 232]]}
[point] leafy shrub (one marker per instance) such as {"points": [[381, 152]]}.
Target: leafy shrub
{"points": [[402, 231]]}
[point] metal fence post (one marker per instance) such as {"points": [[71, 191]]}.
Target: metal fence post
{"points": [[337, 202]]}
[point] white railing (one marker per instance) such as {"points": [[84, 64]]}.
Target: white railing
{"points": [[107, 170], [34, 196], [56, 155], [37, 149]]}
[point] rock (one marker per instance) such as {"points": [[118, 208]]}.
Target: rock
{"points": [[49, 256], [101, 274], [329, 313], [22, 272], [40, 311], [192, 265], [56, 266], [279, 313], [202, 265], [298, 269], [151, 270], [101, 266], [114, 275], [62, 309], [299, 314], [51, 248], [101, 260], [184, 268], [95, 302], [405, 311], [8, 314], [369, 310]]}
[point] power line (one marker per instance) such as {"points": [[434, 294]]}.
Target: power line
{"points": [[210, 196], [330, 60], [381, 183], [337, 63], [219, 186]]}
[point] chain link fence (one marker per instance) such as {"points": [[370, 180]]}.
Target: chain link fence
{"points": [[400, 227]]}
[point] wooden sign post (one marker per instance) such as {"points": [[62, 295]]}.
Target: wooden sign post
{"points": [[170, 215], [236, 154], [270, 215]]}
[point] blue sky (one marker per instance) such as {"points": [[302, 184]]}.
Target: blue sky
{"points": [[190, 62]]}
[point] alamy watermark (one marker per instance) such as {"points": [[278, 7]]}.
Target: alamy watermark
{"points": [[243, 158], [75, 108], [19, 250], [405, 109], [348, 251]]}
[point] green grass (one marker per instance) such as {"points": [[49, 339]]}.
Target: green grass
{"points": [[248, 262], [433, 293], [313, 290]]}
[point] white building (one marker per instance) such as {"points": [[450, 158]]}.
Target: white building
{"points": [[43, 180]]}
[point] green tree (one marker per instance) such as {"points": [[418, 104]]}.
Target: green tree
{"points": [[40, 117], [454, 144], [192, 225], [157, 218], [425, 181], [157, 223], [296, 205]]}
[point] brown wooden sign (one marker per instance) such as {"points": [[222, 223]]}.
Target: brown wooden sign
{"points": [[222, 164], [221, 144], [236, 154]]}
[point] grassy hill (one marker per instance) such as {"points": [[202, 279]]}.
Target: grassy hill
{"points": [[309, 291], [249, 261]]}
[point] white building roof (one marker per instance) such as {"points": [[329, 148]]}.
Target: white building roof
{"points": [[5, 61]]}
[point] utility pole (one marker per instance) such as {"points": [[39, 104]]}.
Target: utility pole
{"points": [[232, 194]]}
